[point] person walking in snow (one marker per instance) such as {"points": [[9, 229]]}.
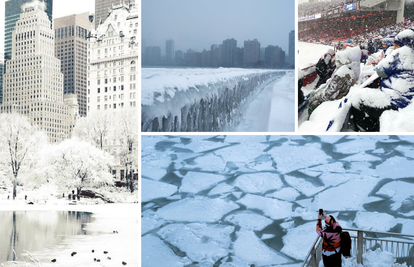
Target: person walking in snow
{"points": [[331, 236], [325, 67]]}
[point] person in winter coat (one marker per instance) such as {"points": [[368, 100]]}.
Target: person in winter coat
{"points": [[331, 236], [325, 67], [397, 85]]}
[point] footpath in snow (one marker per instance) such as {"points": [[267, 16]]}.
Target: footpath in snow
{"points": [[273, 110]]}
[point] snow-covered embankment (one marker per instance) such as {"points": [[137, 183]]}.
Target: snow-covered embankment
{"points": [[199, 100]]}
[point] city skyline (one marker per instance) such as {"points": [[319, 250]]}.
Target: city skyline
{"points": [[61, 8], [191, 26]]}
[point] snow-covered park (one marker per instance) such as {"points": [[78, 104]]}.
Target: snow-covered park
{"points": [[223, 99], [242, 200], [75, 174]]}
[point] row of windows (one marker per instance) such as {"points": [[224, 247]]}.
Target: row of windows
{"points": [[132, 104]]}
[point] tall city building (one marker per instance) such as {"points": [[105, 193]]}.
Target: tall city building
{"points": [[251, 53], [229, 52], [13, 9], [169, 51], [104, 7], [274, 56], [113, 62], [291, 48], [33, 83], [71, 45]]}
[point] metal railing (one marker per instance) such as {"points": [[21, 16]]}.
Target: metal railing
{"points": [[400, 245]]}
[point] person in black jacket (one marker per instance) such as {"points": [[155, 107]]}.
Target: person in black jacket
{"points": [[325, 67]]}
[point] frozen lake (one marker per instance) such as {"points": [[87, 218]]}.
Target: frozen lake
{"points": [[242, 200], [32, 231]]}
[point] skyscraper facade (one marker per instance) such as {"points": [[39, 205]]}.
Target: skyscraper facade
{"points": [[103, 7], [229, 52], [71, 33], [169, 50], [113, 62], [13, 9], [291, 48], [33, 83], [251, 53]]}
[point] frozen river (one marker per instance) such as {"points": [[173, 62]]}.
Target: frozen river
{"points": [[242, 200]]}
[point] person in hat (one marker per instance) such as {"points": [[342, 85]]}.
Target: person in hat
{"points": [[397, 85], [331, 236], [325, 67]]}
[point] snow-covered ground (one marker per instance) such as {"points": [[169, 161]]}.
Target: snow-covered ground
{"points": [[121, 246], [241, 200], [205, 100], [273, 109]]}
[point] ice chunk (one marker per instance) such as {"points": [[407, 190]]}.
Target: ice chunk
{"points": [[250, 248], [348, 196], [303, 186], [374, 221], [258, 182], [156, 253], [396, 167], [199, 241], [221, 189], [153, 190], [398, 191], [249, 220], [289, 158], [210, 162], [198, 209], [273, 208], [286, 193], [301, 236], [363, 143], [195, 182]]}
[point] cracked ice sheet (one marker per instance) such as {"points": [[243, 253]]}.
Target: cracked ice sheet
{"points": [[289, 157], [250, 248], [398, 191], [153, 190], [249, 220], [258, 182], [286, 193], [243, 153], [273, 208], [209, 162], [362, 157], [396, 167], [220, 189], [301, 236], [407, 151], [374, 221], [195, 182], [156, 253], [303, 186], [154, 165], [199, 144], [150, 221], [349, 196], [200, 242], [202, 210], [363, 143]]}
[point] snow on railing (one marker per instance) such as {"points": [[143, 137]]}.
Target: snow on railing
{"points": [[400, 245], [206, 108]]}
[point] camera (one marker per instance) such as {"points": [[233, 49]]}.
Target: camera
{"points": [[320, 211]]}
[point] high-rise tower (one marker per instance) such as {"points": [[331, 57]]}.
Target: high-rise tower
{"points": [[33, 83], [71, 45]]}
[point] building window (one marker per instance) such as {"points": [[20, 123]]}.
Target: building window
{"points": [[99, 90]]}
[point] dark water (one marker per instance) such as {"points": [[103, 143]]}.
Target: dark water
{"points": [[32, 231]]}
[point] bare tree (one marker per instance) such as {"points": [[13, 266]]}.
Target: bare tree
{"points": [[127, 135], [20, 141], [95, 128]]}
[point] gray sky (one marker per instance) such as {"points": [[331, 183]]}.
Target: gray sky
{"points": [[197, 24], [61, 8]]}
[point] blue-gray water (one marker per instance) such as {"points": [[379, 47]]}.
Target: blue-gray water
{"points": [[31, 231]]}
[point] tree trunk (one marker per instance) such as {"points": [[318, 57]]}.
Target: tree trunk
{"points": [[14, 188]]}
